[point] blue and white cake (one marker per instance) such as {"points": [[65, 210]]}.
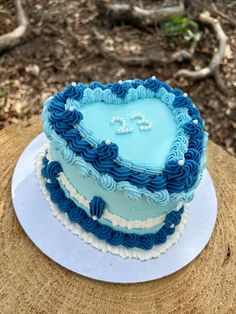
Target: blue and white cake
{"points": [[122, 163]]}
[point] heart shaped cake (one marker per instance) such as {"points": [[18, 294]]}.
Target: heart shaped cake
{"points": [[123, 161]]}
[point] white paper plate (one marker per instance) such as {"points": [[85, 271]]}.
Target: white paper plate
{"points": [[68, 250]]}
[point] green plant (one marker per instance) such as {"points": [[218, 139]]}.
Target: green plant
{"points": [[3, 95], [179, 26], [99, 22]]}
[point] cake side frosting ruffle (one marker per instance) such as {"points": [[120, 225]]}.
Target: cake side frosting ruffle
{"points": [[78, 216], [115, 220], [107, 215], [101, 245]]}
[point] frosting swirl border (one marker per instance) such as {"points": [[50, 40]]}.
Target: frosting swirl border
{"points": [[131, 192]]}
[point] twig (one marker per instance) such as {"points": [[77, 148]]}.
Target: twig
{"points": [[71, 33], [213, 68], [151, 57], [230, 5], [215, 11], [15, 37], [138, 16]]}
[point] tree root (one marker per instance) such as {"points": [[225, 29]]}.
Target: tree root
{"points": [[152, 56], [16, 36], [213, 68], [135, 15], [216, 12]]}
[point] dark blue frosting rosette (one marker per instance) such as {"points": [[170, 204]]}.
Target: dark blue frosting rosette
{"points": [[75, 91], [97, 206], [120, 89], [152, 84], [107, 152]]}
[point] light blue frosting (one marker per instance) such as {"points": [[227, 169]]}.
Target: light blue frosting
{"points": [[135, 145]]}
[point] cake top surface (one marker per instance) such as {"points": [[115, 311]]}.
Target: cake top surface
{"points": [[142, 132], [143, 129]]}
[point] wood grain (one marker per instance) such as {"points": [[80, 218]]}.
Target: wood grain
{"points": [[32, 283]]}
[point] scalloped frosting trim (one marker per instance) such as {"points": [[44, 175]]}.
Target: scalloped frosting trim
{"points": [[75, 229], [114, 219], [107, 183]]}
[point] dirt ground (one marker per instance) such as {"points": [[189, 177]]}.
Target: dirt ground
{"points": [[60, 48]]}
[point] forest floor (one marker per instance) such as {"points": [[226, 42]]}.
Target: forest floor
{"points": [[60, 49]]}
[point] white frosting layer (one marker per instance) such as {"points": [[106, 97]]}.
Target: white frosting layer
{"points": [[102, 245]]}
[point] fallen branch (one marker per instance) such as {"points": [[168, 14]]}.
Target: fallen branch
{"points": [[231, 5], [16, 36], [215, 11], [152, 56], [137, 16], [213, 68]]}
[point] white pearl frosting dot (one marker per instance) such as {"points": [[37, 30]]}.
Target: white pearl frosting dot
{"points": [[181, 162], [95, 217], [73, 84], [195, 121]]}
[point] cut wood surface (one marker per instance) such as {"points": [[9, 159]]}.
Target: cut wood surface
{"points": [[32, 283]]}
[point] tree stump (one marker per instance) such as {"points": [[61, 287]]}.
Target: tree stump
{"points": [[32, 283]]}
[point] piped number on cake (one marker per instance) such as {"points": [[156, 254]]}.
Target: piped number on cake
{"points": [[123, 128], [143, 123]]}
